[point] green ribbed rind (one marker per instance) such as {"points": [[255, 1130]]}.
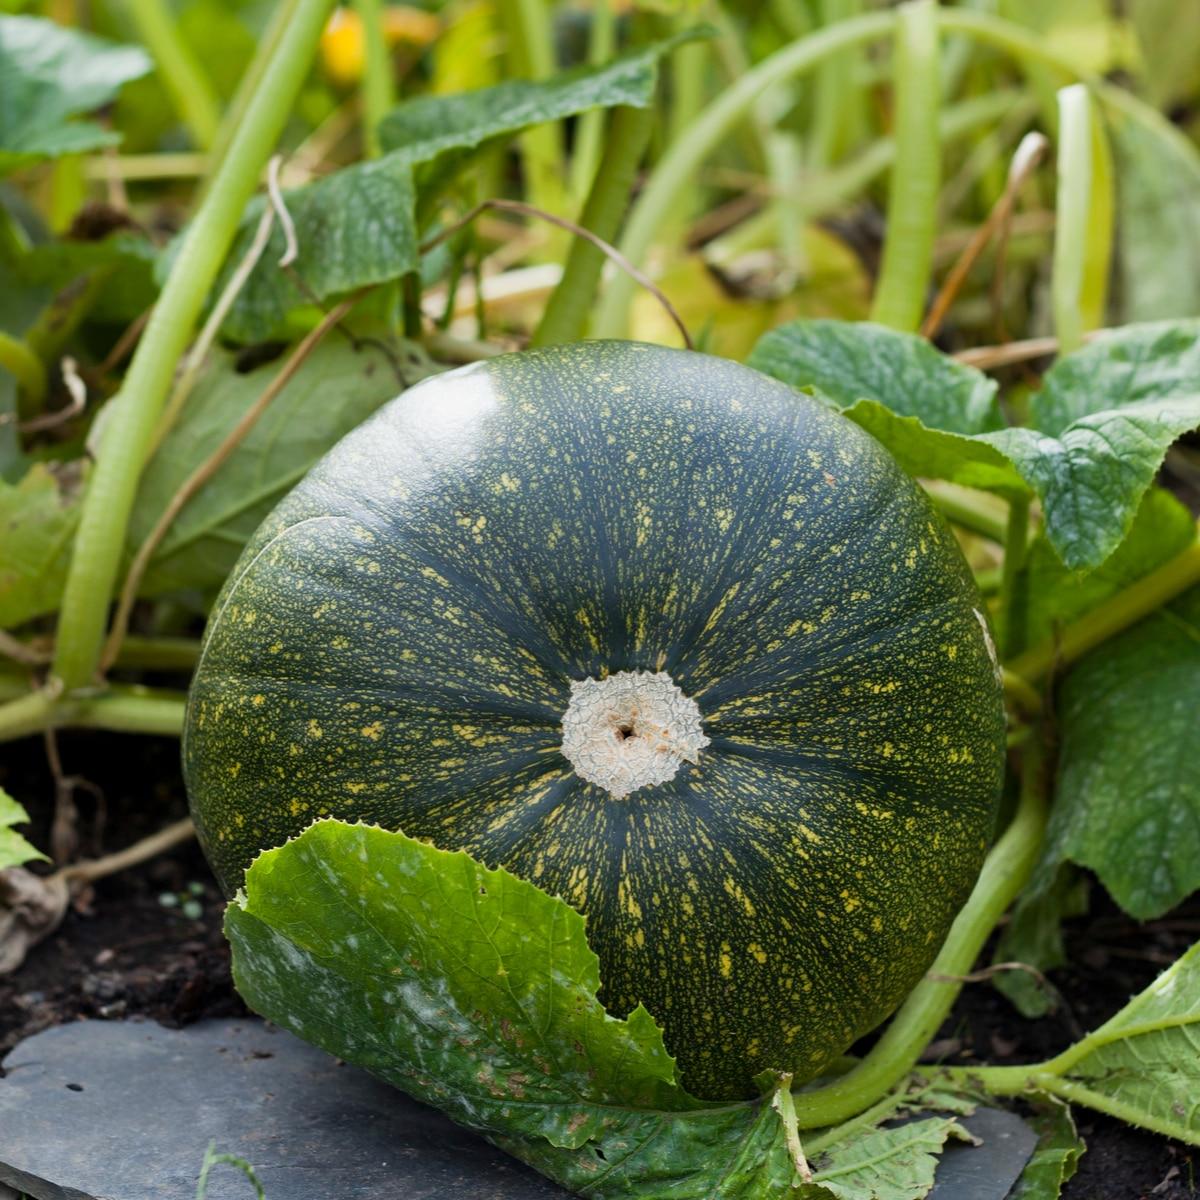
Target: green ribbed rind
{"points": [[398, 642]]}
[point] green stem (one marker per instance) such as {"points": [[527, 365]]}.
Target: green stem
{"points": [[1053, 1076], [566, 313], [185, 165], [247, 90], [719, 119], [1042, 1077], [1023, 695], [602, 43], [25, 367], [793, 19], [831, 190], [1079, 1093], [378, 87], [68, 191], [14, 241], [179, 70], [136, 653], [1028, 47], [867, 1119], [129, 710], [530, 30], [1114, 616], [121, 708], [134, 412], [26, 713], [1071, 215], [688, 71], [1003, 876], [907, 263], [836, 97], [971, 510], [776, 150], [1014, 594], [158, 653]]}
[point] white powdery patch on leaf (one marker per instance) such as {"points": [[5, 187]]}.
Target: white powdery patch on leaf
{"points": [[631, 730]]}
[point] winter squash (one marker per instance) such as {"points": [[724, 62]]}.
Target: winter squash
{"points": [[655, 632]]}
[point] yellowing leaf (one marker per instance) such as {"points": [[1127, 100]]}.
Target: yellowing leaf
{"points": [[37, 523]]}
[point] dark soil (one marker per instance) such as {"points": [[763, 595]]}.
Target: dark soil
{"points": [[133, 950]]}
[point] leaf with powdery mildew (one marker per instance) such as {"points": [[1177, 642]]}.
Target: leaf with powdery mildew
{"points": [[1156, 361], [862, 361], [1144, 1064], [477, 992], [359, 225]]}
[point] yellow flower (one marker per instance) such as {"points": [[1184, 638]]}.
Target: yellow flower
{"points": [[343, 51]]}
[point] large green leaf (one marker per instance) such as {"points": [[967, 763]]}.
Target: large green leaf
{"points": [[1159, 360], [353, 228], [48, 75], [337, 388], [937, 454], [1161, 529], [1144, 1064], [37, 522], [14, 849], [1128, 771], [862, 361], [359, 225], [474, 991], [477, 992], [429, 126], [1090, 472], [1091, 478]]}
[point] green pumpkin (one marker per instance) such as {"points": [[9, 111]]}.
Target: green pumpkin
{"points": [[649, 629]]}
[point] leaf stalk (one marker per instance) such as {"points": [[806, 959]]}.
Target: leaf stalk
{"points": [[1004, 874], [907, 264], [136, 408]]}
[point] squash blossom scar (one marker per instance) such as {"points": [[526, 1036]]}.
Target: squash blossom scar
{"points": [[630, 730]]}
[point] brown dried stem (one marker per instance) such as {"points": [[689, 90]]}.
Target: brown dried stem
{"points": [[1025, 161]]}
